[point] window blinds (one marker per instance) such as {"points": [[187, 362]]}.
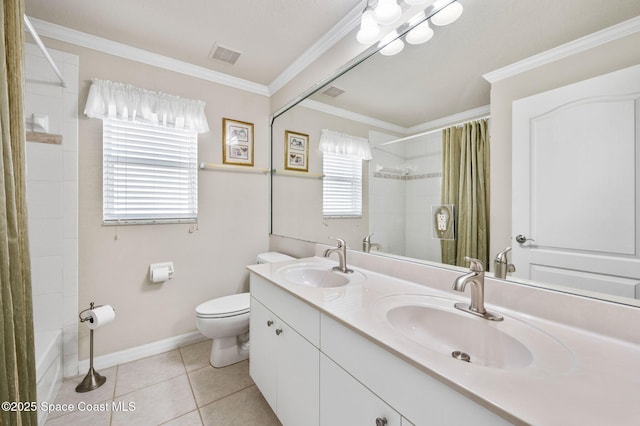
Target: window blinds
{"points": [[150, 173], [342, 186]]}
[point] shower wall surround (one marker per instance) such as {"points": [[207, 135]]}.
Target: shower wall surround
{"points": [[52, 196]]}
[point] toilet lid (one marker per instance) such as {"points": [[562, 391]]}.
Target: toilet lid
{"points": [[235, 304]]}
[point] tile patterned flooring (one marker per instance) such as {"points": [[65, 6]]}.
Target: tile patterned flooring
{"points": [[173, 388]]}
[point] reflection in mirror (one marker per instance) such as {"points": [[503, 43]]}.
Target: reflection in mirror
{"points": [[402, 103]]}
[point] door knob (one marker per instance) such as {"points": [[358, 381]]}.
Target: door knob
{"points": [[521, 239]]}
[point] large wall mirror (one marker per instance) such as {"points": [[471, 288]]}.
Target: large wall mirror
{"points": [[401, 103]]}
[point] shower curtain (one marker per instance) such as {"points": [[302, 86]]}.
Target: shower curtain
{"points": [[465, 184], [17, 354]]}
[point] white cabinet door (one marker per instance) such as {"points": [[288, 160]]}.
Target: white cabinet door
{"points": [[263, 351], [345, 401], [284, 366], [298, 378]]}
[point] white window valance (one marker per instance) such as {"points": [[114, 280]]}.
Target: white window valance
{"points": [[332, 142], [108, 99]]}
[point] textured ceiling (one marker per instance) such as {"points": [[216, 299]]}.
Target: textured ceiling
{"points": [[444, 76], [271, 34], [421, 84]]}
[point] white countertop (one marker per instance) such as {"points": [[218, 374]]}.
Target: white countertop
{"points": [[578, 378]]}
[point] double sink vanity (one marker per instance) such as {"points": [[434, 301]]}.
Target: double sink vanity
{"points": [[385, 345]]}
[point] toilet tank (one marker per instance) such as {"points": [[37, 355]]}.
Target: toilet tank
{"points": [[272, 257]]}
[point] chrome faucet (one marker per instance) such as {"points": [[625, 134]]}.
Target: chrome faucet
{"points": [[367, 245], [342, 256], [501, 264], [475, 277]]}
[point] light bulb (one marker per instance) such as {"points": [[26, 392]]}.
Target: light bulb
{"points": [[369, 28], [447, 15], [420, 34], [387, 12], [392, 44]]}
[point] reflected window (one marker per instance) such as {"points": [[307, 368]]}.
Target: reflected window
{"points": [[342, 186]]}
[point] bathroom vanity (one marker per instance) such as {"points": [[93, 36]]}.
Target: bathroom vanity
{"points": [[345, 380], [371, 348]]}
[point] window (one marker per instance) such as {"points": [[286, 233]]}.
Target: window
{"points": [[150, 173], [342, 186]]}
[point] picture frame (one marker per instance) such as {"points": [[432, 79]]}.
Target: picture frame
{"points": [[237, 142], [296, 155]]}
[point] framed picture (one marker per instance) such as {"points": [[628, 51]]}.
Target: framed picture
{"points": [[296, 154], [237, 142]]}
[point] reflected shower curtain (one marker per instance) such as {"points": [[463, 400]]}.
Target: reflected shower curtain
{"points": [[17, 359], [465, 184]]}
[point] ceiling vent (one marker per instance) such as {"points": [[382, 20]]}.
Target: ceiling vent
{"points": [[332, 91], [224, 54]]}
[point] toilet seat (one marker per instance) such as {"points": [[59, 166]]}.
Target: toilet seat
{"points": [[223, 307]]}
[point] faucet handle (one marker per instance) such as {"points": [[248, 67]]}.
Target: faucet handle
{"points": [[341, 242], [476, 264], [367, 238]]}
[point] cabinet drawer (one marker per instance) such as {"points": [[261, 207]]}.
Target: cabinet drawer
{"points": [[297, 314]]}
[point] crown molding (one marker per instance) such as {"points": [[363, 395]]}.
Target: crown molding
{"points": [[335, 34], [67, 35], [451, 120], [587, 42], [343, 113]]}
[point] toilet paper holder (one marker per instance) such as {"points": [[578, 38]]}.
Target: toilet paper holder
{"points": [[160, 272], [93, 379]]}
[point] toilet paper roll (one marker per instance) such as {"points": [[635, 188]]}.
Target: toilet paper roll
{"points": [[160, 274], [97, 317]]}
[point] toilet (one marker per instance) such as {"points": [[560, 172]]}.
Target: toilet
{"points": [[226, 321]]}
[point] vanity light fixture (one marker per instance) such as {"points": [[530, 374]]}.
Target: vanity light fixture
{"points": [[392, 44], [387, 12], [447, 15], [369, 27]]}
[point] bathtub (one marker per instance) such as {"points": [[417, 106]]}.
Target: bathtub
{"points": [[48, 367]]}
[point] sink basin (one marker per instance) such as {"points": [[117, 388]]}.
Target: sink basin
{"points": [[318, 275], [434, 324]]}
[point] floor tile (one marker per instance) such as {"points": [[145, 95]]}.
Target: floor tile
{"points": [[156, 404], [68, 395], [148, 371], [197, 355], [189, 419], [210, 384], [246, 407], [81, 418]]}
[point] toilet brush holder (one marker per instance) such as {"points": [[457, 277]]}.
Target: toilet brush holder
{"points": [[93, 379]]}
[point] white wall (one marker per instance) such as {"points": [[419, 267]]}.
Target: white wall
{"points": [[209, 259], [52, 188]]}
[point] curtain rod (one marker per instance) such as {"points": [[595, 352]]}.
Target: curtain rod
{"points": [[428, 132], [43, 48]]}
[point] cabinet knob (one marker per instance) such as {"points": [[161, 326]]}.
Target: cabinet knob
{"points": [[279, 331], [381, 421], [269, 323]]}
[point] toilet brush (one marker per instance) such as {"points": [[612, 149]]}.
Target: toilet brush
{"points": [[93, 379]]}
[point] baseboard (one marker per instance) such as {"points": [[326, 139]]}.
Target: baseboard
{"points": [[143, 351]]}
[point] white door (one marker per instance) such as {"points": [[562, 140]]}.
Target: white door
{"points": [[576, 185]]}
